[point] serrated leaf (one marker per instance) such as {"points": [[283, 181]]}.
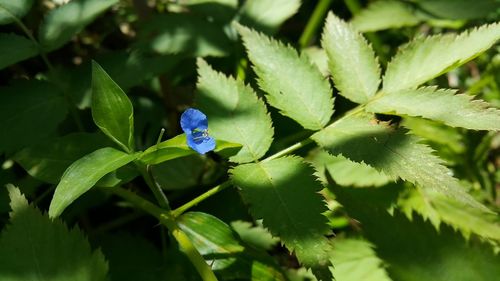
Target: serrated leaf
{"points": [[15, 48], [185, 34], [393, 151], [457, 110], [346, 172], [257, 235], [177, 147], [34, 247], [267, 16], [459, 9], [426, 58], [318, 57], [10, 10], [228, 255], [292, 83], [235, 113], [440, 209], [111, 109], [355, 259], [284, 194], [351, 60], [83, 174], [382, 14], [415, 250], [24, 117], [64, 22]]}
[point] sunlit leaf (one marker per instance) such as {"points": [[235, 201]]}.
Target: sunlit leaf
{"points": [[383, 14], [267, 16]]}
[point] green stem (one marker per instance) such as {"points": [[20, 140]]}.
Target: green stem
{"points": [[289, 149], [179, 211], [155, 188], [314, 22], [46, 60], [166, 218]]}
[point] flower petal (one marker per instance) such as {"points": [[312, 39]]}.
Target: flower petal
{"points": [[201, 146], [192, 119]]}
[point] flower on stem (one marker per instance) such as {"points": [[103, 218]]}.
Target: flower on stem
{"points": [[195, 124]]}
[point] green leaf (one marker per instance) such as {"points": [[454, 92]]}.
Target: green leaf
{"points": [[345, 172], [292, 83], [15, 48], [10, 10], [441, 105], [48, 160], [318, 57], [184, 33], [380, 15], [284, 194], [179, 173], [34, 247], [267, 16], [219, 10], [393, 151], [64, 22], [23, 113], [235, 113], [356, 80], [226, 253], [83, 174], [111, 109], [415, 250], [459, 9], [426, 58], [355, 259], [177, 147], [440, 209], [257, 235]]}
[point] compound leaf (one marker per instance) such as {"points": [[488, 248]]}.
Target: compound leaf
{"points": [[426, 58], [34, 247], [393, 151], [351, 60], [292, 83], [441, 105], [235, 113], [284, 194]]}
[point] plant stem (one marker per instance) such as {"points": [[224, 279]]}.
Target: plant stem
{"points": [[179, 211], [166, 218], [289, 149], [314, 22], [155, 188]]}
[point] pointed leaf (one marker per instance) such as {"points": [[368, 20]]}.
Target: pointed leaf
{"points": [[83, 174], [383, 14], [111, 109], [292, 83], [284, 194], [10, 10], [15, 48], [23, 113], [426, 58], [267, 16], [235, 113], [440, 209], [346, 172], [34, 247], [415, 250], [228, 255], [441, 105], [355, 259], [352, 62], [64, 22], [177, 147], [393, 151]]}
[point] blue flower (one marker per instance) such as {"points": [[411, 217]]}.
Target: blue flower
{"points": [[194, 123]]}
